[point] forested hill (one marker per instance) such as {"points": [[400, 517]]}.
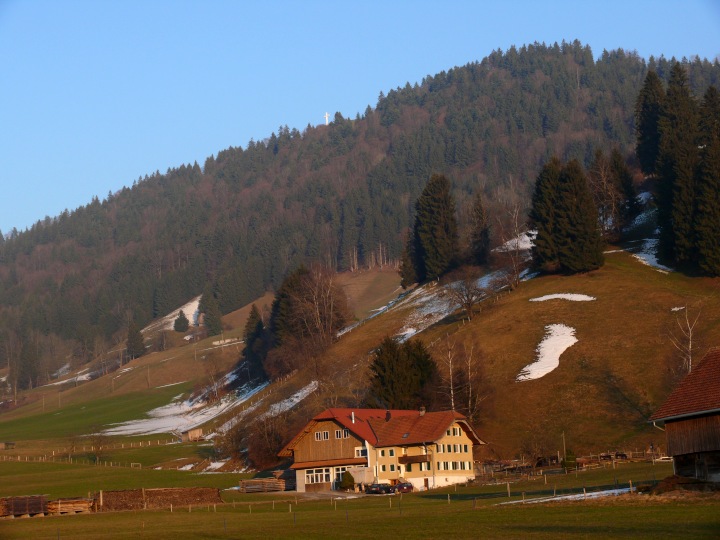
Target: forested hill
{"points": [[342, 193]]}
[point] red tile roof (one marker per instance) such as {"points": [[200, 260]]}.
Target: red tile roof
{"points": [[371, 425], [697, 393], [418, 429]]}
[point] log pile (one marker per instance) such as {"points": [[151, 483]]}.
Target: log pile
{"points": [[23, 506], [262, 485], [139, 499], [70, 506]]}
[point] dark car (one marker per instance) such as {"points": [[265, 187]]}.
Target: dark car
{"points": [[379, 489], [404, 487]]}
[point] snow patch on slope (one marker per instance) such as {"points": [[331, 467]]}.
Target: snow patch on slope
{"points": [[564, 296], [557, 340]]}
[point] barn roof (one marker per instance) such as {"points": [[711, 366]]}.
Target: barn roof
{"points": [[380, 427], [698, 393]]}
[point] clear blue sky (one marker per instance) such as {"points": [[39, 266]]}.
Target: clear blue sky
{"points": [[94, 94]]}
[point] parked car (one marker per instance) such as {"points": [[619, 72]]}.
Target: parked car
{"points": [[620, 455], [379, 489], [404, 487]]}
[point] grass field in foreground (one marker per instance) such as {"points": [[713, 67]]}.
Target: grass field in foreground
{"points": [[387, 516]]}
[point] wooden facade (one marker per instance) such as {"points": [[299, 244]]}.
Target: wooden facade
{"points": [[691, 435], [322, 443]]}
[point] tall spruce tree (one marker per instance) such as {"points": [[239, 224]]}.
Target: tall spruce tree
{"points": [[707, 222], [647, 117], [480, 232], [543, 218], [134, 342], [623, 178], [435, 231], [181, 323], [400, 375], [255, 339], [677, 163], [578, 239], [407, 264], [213, 316]]}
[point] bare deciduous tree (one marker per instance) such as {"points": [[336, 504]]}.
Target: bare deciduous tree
{"points": [[466, 291], [684, 338]]}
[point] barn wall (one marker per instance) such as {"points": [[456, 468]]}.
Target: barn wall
{"points": [[693, 435]]}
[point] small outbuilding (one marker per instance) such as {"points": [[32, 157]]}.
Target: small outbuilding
{"points": [[691, 415], [192, 435]]}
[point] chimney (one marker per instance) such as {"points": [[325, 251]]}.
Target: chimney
{"points": [[387, 415], [422, 411], [352, 415]]}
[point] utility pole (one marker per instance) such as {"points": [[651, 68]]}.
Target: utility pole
{"points": [[564, 450]]}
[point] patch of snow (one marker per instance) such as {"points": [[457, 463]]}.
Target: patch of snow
{"points": [[678, 308], [3, 378], [644, 197], [289, 403], [557, 340], [62, 371], [575, 497], [647, 255], [166, 323], [215, 465], [125, 370], [179, 416], [564, 296], [187, 467], [523, 242], [171, 384]]}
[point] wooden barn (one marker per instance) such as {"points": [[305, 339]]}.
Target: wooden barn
{"points": [[691, 415]]}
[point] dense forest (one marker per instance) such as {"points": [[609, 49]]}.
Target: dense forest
{"points": [[342, 195]]}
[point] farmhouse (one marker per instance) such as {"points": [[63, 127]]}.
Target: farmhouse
{"points": [[429, 450], [192, 435], [691, 415]]}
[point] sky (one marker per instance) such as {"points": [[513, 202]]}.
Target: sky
{"points": [[94, 95]]}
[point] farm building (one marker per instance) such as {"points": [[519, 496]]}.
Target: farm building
{"points": [[192, 435], [691, 415], [427, 449]]}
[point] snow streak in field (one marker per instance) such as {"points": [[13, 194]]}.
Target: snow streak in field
{"points": [[564, 296], [557, 339]]}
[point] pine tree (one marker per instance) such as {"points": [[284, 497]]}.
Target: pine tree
{"points": [[647, 117], [407, 264], [707, 222], [435, 231], [543, 219], [480, 232], [623, 179], [677, 162], [135, 343], [181, 323], [213, 316], [578, 238], [400, 376], [254, 336]]}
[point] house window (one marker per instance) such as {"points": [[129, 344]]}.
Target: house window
{"points": [[322, 435], [346, 433], [338, 434], [440, 448], [317, 476], [339, 473], [448, 432], [465, 448], [382, 453], [382, 468], [360, 451], [408, 467], [392, 467], [424, 466], [391, 452]]}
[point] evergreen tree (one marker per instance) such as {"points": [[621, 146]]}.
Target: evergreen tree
{"points": [[135, 343], [622, 178], [480, 232], [213, 316], [677, 162], [407, 264], [435, 230], [181, 323], [578, 238], [543, 218], [707, 222], [283, 322], [647, 117], [254, 336], [401, 374]]}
